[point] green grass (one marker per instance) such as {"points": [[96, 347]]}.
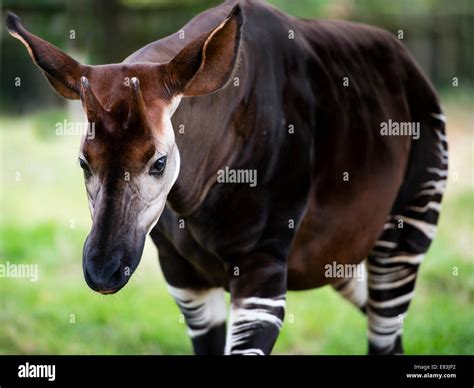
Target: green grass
{"points": [[44, 219]]}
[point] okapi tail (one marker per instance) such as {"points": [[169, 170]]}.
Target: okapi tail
{"points": [[428, 160]]}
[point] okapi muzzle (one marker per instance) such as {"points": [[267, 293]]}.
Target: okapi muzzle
{"points": [[132, 161]]}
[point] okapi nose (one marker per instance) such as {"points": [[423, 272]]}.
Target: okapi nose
{"points": [[103, 274]]}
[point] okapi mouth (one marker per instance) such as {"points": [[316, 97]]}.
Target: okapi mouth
{"points": [[102, 289], [108, 292], [108, 271]]}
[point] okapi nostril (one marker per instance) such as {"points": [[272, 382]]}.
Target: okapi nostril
{"points": [[101, 271]]}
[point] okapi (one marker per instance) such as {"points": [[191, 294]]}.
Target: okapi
{"points": [[246, 87]]}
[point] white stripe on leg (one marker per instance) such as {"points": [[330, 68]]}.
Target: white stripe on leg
{"points": [[202, 309], [248, 317], [355, 289]]}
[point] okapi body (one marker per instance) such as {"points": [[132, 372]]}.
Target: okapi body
{"points": [[245, 87]]}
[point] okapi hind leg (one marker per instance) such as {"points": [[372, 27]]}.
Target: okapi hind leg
{"points": [[391, 288], [394, 262], [354, 289]]}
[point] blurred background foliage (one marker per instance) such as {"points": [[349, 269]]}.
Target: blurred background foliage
{"points": [[44, 216]]}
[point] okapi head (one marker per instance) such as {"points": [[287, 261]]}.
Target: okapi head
{"points": [[132, 161]]}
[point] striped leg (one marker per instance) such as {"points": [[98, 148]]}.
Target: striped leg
{"points": [[391, 288], [258, 305], [254, 325], [202, 304], [393, 264], [354, 289], [205, 315]]}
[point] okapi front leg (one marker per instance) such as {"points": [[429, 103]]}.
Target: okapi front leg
{"points": [[258, 287], [205, 314], [202, 304]]}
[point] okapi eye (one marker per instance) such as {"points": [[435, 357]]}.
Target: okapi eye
{"points": [[85, 167], [158, 166]]}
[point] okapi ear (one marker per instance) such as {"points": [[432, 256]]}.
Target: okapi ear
{"points": [[206, 64], [62, 71]]}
